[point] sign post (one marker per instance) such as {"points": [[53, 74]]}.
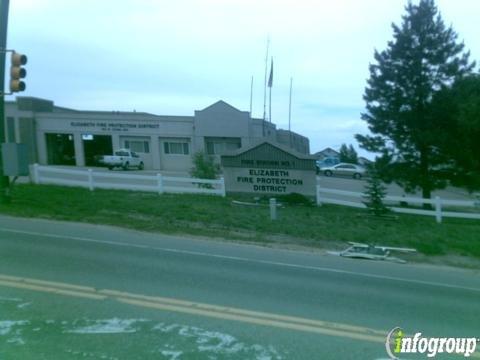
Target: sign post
{"points": [[273, 209]]}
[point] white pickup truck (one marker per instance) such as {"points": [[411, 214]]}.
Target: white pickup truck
{"points": [[123, 158]]}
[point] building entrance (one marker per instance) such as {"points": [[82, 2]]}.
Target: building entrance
{"points": [[60, 149], [94, 146]]}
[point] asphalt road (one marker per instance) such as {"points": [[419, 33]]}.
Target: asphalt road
{"points": [[251, 302], [349, 184]]}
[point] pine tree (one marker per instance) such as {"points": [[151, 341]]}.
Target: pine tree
{"points": [[353, 154], [348, 154], [344, 155], [420, 61], [460, 106], [374, 194]]}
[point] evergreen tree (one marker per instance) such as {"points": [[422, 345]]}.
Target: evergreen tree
{"points": [[420, 61], [348, 154], [344, 155], [374, 194], [459, 105], [353, 154]]}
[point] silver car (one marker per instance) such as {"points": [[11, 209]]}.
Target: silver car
{"points": [[344, 169]]}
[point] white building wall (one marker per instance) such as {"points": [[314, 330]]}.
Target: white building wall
{"points": [[219, 120], [41, 148], [155, 153], [116, 142], [175, 162], [79, 154]]}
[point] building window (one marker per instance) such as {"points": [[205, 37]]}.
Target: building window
{"points": [[176, 148], [222, 146], [138, 146]]}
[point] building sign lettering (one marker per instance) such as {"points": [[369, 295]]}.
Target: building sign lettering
{"points": [[267, 169], [286, 164], [267, 180], [112, 126]]}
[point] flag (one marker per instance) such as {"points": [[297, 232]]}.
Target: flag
{"points": [[270, 79]]}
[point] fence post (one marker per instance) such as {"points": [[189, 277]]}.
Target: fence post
{"points": [[222, 184], [160, 183], [90, 179], [273, 209], [36, 174], [319, 202], [438, 209]]}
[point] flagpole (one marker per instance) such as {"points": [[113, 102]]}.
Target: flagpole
{"points": [[270, 85], [290, 114], [270, 105], [251, 97], [265, 83]]}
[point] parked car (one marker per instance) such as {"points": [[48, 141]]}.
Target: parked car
{"points": [[123, 158], [327, 162], [344, 169]]}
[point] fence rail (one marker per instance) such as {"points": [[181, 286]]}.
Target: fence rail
{"points": [[438, 212], [167, 184], [113, 180]]}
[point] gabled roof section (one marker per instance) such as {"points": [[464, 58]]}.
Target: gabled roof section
{"points": [[280, 147], [268, 155], [221, 106], [328, 149]]}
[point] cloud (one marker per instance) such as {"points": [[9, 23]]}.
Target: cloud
{"points": [[172, 57]]}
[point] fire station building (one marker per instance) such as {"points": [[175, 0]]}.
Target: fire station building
{"points": [[61, 136]]}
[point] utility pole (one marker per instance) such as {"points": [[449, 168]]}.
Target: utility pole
{"points": [[4, 180], [270, 84], [290, 114]]}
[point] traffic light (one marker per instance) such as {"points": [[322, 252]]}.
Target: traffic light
{"points": [[17, 72]]}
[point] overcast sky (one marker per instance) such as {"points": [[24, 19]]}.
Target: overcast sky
{"points": [[173, 57]]}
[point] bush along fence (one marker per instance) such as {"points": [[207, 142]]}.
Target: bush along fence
{"points": [[120, 181], [438, 204]]}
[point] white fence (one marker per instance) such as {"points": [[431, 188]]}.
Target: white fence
{"points": [[167, 184], [437, 202], [113, 180]]}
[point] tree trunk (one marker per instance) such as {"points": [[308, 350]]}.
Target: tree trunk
{"points": [[427, 194], [425, 181]]}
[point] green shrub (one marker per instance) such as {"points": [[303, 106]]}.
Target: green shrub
{"points": [[204, 168], [290, 199]]}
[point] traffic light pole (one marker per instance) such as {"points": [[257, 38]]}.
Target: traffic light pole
{"points": [[4, 180]]}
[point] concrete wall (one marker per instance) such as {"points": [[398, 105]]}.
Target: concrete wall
{"points": [[175, 162], [295, 141], [221, 120]]}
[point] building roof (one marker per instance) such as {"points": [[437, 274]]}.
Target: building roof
{"points": [[327, 149], [274, 144], [221, 105], [364, 159], [291, 132]]}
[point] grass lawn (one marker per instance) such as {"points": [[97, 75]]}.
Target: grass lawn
{"points": [[214, 216]]}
